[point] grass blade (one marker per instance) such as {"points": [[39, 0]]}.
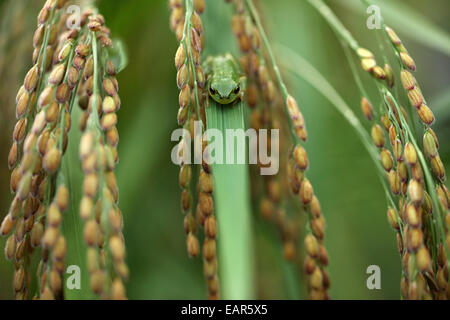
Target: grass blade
{"points": [[231, 196]]}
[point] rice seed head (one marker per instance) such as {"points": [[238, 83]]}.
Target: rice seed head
{"points": [[65, 51], [97, 282], [442, 279], [52, 160], [417, 172], [368, 64], [300, 157], [185, 176], [206, 203], [252, 95], [7, 225], [410, 154], [206, 182], [296, 118], [414, 239], [397, 149], [199, 6], [367, 108], [60, 249], [185, 200], [46, 96], [86, 144], [394, 181], [36, 234], [90, 184], [289, 250], [316, 279], [413, 216], [402, 170], [386, 159], [408, 61], [50, 237], [425, 114], [416, 192], [386, 122], [22, 105], [109, 87], [117, 248], [10, 247], [392, 218], [393, 36], [193, 247], [19, 279], [407, 79], [311, 246], [209, 249], [108, 121], [190, 224], [54, 216], [266, 208], [438, 167], [31, 79], [210, 227], [197, 22], [415, 97], [429, 145], [379, 73], [83, 50], [184, 96], [118, 290], [38, 36], [306, 191], [364, 53], [180, 57], [423, 260], [431, 131], [19, 130], [91, 232], [57, 74], [390, 78], [377, 135]]}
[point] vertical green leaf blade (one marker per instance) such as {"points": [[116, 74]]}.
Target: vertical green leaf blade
{"points": [[72, 224], [232, 204]]}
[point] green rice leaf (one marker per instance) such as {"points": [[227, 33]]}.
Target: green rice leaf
{"points": [[231, 197]]}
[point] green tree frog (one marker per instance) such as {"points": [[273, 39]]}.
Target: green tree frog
{"points": [[224, 82]]}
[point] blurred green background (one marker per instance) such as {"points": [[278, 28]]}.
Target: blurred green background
{"points": [[358, 234]]}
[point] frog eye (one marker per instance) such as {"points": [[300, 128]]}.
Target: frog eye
{"points": [[236, 91], [212, 90]]}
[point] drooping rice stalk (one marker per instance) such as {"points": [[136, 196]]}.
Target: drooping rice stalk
{"points": [[421, 215], [44, 111]]}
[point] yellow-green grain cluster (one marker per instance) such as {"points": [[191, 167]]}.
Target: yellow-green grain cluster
{"points": [[98, 153], [187, 25], [417, 198], [63, 65]]}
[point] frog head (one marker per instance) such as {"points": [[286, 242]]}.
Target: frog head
{"points": [[224, 91]]}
